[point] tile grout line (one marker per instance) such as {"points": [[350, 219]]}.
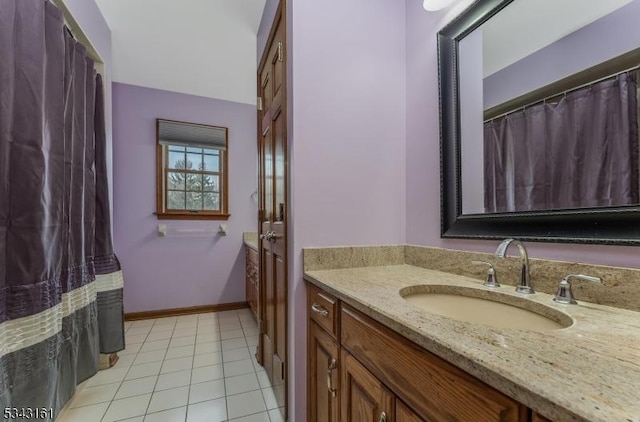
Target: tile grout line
{"points": [[255, 373], [224, 378], [125, 375], [200, 330], [103, 385], [260, 388], [159, 372], [193, 358], [166, 351]]}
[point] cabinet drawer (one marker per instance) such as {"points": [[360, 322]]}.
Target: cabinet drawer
{"points": [[323, 309], [437, 390]]}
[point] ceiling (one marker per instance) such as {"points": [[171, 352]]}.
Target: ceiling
{"points": [[218, 13], [526, 26], [198, 47]]}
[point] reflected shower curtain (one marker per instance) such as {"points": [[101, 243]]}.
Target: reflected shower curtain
{"points": [[579, 152], [56, 315]]}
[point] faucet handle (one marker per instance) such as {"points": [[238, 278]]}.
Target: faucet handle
{"points": [[492, 278], [565, 293]]}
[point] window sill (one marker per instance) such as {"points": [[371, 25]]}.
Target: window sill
{"points": [[191, 216]]}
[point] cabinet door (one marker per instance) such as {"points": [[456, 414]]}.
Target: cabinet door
{"points": [[252, 279], [256, 290], [363, 398], [248, 276], [539, 418], [323, 376], [404, 414]]}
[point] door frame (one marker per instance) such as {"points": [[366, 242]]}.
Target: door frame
{"points": [[280, 18]]}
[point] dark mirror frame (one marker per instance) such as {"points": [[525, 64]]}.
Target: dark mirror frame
{"points": [[615, 225]]}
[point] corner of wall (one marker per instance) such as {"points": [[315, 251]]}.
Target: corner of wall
{"points": [[89, 18], [270, 8]]}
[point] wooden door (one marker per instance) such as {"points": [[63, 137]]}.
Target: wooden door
{"points": [[273, 209], [363, 398], [323, 376], [404, 414]]}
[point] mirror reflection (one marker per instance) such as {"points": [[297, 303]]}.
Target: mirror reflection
{"points": [[549, 107]]}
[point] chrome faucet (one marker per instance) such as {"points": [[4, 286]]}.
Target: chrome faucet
{"points": [[524, 286]]}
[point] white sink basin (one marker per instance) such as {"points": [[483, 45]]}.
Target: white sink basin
{"points": [[486, 307]]}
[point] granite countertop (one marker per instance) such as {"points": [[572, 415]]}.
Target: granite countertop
{"points": [[589, 371], [250, 239]]}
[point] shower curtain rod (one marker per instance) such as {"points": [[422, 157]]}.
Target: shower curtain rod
{"points": [[544, 100]]}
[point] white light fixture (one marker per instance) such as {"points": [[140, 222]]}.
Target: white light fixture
{"points": [[433, 5]]}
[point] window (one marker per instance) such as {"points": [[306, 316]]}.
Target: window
{"points": [[191, 171]]}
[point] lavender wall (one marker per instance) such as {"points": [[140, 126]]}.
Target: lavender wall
{"points": [[364, 143], [93, 24], [268, 14], [604, 39], [422, 158], [347, 140], [178, 270], [90, 19]]}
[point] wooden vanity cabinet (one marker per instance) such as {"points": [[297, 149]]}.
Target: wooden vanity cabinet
{"points": [[251, 278], [323, 380], [380, 376], [433, 387]]}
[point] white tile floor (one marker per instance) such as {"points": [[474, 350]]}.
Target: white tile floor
{"points": [[196, 368]]}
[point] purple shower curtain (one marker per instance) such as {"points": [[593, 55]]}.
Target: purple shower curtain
{"points": [[109, 284], [579, 152], [52, 321]]}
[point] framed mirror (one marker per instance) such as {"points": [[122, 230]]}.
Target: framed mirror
{"points": [[539, 121]]}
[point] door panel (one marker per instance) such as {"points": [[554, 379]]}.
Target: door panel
{"points": [[269, 309], [267, 183], [404, 414], [277, 62], [363, 397], [280, 309], [278, 125], [269, 294]]}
